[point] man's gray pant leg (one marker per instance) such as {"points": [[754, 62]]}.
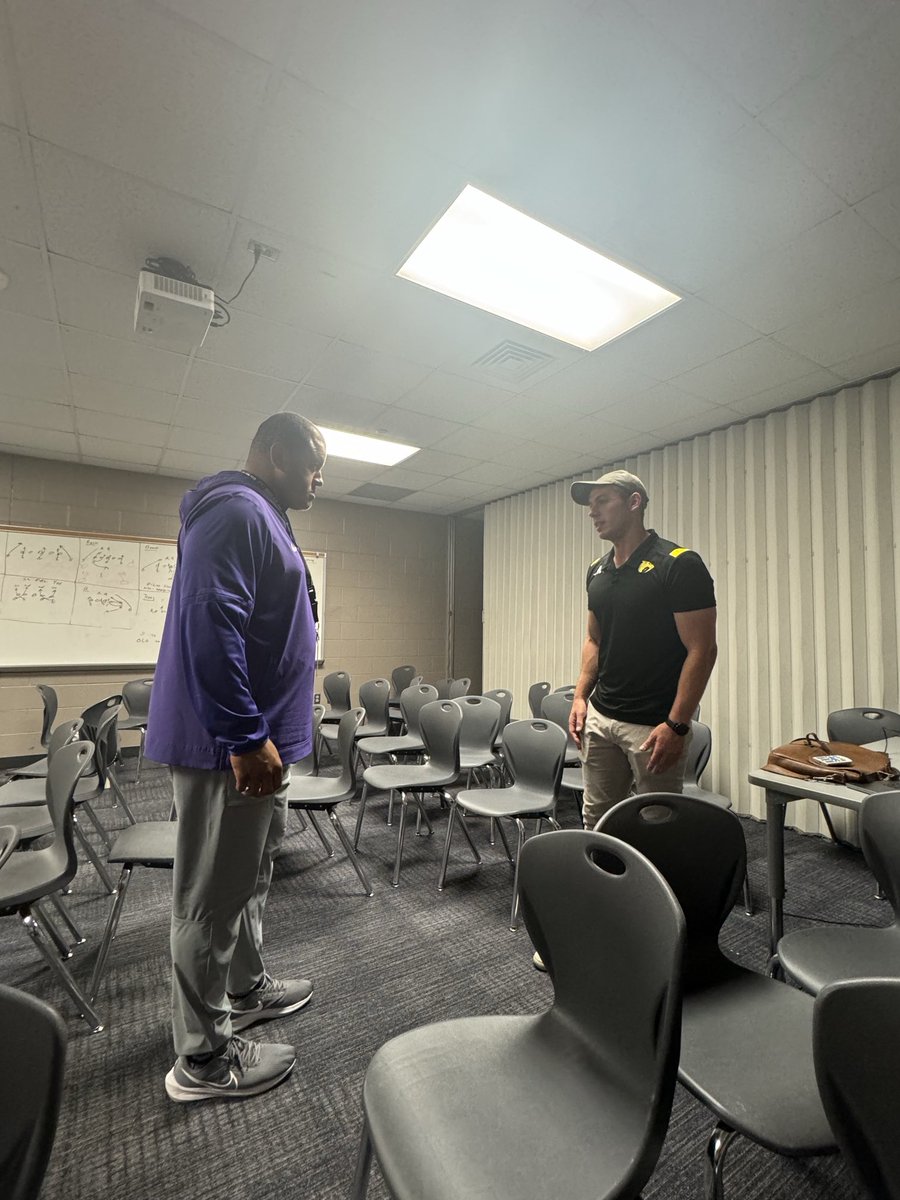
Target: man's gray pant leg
{"points": [[221, 839], [247, 967]]}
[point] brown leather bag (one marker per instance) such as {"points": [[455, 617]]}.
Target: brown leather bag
{"points": [[803, 759]]}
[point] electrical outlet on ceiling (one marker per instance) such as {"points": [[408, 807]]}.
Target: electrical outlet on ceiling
{"points": [[263, 250]]}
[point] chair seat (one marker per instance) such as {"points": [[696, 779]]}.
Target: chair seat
{"points": [[406, 743], [150, 843], [32, 821], [700, 793], [572, 779], [28, 792], [34, 770], [502, 802], [817, 957], [312, 790], [556, 1107], [746, 1052], [131, 723], [25, 878], [469, 760], [391, 777]]}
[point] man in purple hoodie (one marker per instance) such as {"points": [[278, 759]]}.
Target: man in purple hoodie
{"points": [[231, 710]]}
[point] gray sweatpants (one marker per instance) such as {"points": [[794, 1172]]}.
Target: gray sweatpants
{"points": [[225, 850]]}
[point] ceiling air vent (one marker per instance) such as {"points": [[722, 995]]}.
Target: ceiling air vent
{"points": [[380, 491], [513, 362]]}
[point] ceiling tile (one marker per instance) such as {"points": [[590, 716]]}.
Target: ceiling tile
{"points": [[29, 439], [114, 220], [260, 27], [126, 400], [402, 476], [873, 363], [28, 340], [587, 435], [849, 330], [479, 444], [336, 410], [842, 121], [226, 446], [447, 396], [658, 406], [756, 52], [437, 463], [117, 465], [116, 428], [37, 413], [19, 214], [214, 383], [415, 429], [94, 299], [123, 362], [94, 71], [192, 466], [337, 487], [744, 371], [347, 470], [808, 386], [882, 211], [30, 380], [717, 417], [591, 383], [361, 372], [841, 257], [116, 453], [455, 488], [28, 291], [216, 416], [254, 344], [491, 473]]}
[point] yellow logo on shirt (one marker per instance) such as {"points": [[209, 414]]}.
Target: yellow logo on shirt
{"points": [[678, 550], [644, 567]]}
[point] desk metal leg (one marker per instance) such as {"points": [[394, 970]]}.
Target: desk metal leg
{"points": [[776, 808]]}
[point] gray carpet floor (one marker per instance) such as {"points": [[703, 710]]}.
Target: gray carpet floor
{"points": [[380, 966]]}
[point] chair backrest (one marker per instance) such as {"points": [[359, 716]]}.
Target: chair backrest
{"points": [[58, 862], [856, 1050], [347, 727], [336, 687], [65, 732], [536, 694], [401, 679], [93, 714], [611, 934], [412, 700], [459, 687], [566, 687], [439, 724], [505, 699], [698, 752], [416, 680], [480, 724], [51, 708], [9, 840], [136, 697], [375, 696], [699, 848], [34, 1052], [443, 688], [879, 838], [318, 713], [535, 751], [556, 707], [861, 725], [105, 743]]}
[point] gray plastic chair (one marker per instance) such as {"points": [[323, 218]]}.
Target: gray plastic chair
{"points": [[815, 957], [38, 768], [136, 702], [33, 791], [459, 687], [336, 687], [443, 688], [573, 1102], [439, 722], [322, 793], [412, 701], [862, 725], [856, 1045], [34, 1055], [556, 707], [536, 694], [534, 752], [746, 1039], [374, 695], [28, 878], [401, 679], [504, 698], [477, 734]]}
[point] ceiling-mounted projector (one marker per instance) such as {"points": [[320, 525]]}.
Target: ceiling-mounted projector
{"points": [[171, 313]]}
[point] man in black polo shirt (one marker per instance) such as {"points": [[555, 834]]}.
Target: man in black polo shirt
{"points": [[648, 654]]}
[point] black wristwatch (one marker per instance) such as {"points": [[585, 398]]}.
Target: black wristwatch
{"points": [[678, 727]]}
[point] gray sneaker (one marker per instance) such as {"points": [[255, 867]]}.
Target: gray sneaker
{"points": [[242, 1069], [272, 998]]}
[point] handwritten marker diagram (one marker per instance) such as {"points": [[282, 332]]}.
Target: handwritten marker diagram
{"points": [[30, 598], [104, 608], [108, 564], [40, 556]]}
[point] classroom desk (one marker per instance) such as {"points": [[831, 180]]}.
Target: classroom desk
{"points": [[780, 790]]}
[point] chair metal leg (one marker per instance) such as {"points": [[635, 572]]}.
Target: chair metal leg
{"points": [[120, 796], [390, 813], [502, 833], [361, 812], [422, 816], [62, 946], [401, 831], [493, 833], [465, 828], [66, 917], [112, 924], [140, 761], [446, 855], [360, 1184], [65, 978], [313, 820], [514, 910], [93, 857], [348, 846], [719, 1141], [97, 824], [748, 896], [301, 820]]}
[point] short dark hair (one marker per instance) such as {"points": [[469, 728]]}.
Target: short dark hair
{"points": [[286, 427]]}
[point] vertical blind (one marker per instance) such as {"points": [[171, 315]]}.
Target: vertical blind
{"points": [[797, 514]]}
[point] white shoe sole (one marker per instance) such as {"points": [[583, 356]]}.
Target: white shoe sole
{"points": [[241, 1021], [184, 1095]]}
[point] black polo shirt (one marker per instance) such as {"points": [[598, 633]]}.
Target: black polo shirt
{"points": [[641, 654]]}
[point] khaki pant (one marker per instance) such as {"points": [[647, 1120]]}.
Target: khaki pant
{"points": [[614, 766], [225, 850]]}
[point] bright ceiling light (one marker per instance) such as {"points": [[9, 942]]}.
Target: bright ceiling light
{"points": [[489, 255], [364, 449]]}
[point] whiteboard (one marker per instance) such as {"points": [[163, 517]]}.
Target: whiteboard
{"points": [[72, 600]]}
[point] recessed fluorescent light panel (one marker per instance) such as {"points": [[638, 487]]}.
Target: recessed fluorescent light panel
{"points": [[364, 449], [489, 255]]}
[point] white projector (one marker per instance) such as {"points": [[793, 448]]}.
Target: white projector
{"points": [[171, 313]]}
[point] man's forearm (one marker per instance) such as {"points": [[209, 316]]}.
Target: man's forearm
{"points": [[587, 677], [695, 672]]}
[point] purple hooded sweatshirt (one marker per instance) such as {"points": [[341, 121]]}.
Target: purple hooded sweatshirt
{"points": [[237, 658]]}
